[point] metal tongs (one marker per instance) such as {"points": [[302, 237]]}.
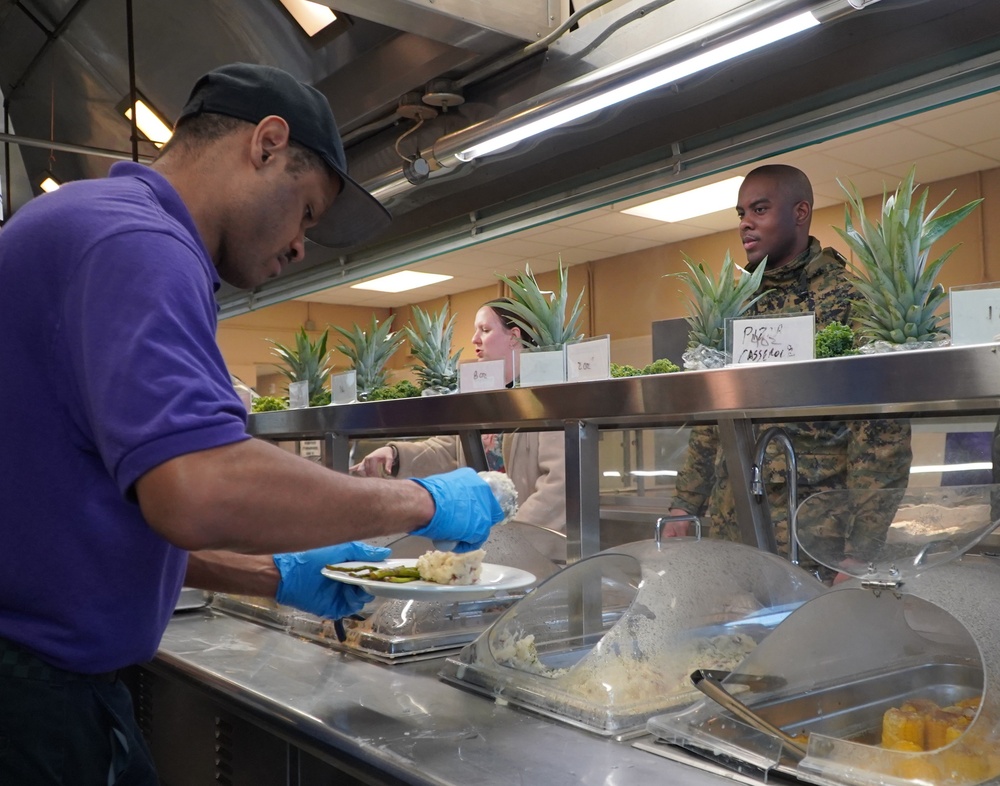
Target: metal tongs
{"points": [[708, 682]]}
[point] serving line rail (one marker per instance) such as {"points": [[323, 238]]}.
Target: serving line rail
{"points": [[382, 724], [954, 380]]}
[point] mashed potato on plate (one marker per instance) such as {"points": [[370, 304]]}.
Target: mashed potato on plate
{"points": [[447, 567]]}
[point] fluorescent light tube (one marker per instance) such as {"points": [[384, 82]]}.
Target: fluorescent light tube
{"points": [[401, 281], [312, 17], [149, 122], [658, 78], [951, 467], [696, 202]]}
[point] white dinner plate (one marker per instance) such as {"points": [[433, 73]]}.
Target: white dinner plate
{"points": [[494, 579]]}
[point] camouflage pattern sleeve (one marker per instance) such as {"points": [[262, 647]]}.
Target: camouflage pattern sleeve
{"points": [[878, 457], [696, 476]]}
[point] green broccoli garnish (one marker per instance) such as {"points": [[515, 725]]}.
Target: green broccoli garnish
{"points": [[268, 404], [835, 340], [624, 370], [321, 399], [661, 366], [402, 389]]}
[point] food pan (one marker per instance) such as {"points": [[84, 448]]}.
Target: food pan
{"points": [[609, 641]]}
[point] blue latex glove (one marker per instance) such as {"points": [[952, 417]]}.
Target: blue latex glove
{"points": [[303, 586], [464, 509]]}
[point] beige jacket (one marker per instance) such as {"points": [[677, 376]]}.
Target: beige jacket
{"points": [[535, 461]]}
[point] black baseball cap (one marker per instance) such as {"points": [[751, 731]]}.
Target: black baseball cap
{"points": [[252, 92]]}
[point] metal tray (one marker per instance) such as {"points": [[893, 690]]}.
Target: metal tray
{"points": [[849, 710], [399, 631]]}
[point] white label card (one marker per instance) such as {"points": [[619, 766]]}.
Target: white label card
{"points": [[481, 375], [975, 315], [774, 339], [298, 394], [589, 360], [344, 387], [542, 368], [311, 449]]}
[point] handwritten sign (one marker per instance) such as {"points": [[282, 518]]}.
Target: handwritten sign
{"points": [[589, 360], [298, 394], [344, 387], [481, 375], [975, 314], [773, 339], [542, 368]]}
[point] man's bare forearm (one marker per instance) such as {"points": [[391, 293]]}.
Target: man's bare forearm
{"points": [[255, 498], [226, 571]]}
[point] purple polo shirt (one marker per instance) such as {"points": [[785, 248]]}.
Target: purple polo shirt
{"points": [[107, 345]]}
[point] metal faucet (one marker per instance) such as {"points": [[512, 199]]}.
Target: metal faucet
{"points": [[757, 482]]}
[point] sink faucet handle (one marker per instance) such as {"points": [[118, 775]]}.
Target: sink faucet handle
{"points": [[756, 482]]}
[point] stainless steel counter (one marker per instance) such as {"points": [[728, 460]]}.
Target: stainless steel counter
{"points": [[399, 719]]}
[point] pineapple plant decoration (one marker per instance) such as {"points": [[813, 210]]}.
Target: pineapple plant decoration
{"points": [[544, 320], [430, 342], [713, 301], [369, 351], [307, 361], [896, 281]]}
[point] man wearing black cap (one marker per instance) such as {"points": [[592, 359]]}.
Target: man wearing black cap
{"points": [[128, 471]]}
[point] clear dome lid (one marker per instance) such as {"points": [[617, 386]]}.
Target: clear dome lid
{"points": [[611, 640], [892, 535], [893, 679]]}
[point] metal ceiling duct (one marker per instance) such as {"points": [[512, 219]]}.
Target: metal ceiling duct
{"points": [[445, 153], [64, 88]]}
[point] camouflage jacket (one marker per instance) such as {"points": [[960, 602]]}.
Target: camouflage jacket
{"points": [[855, 454]]}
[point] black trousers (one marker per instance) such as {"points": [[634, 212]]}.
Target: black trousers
{"points": [[58, 728]]}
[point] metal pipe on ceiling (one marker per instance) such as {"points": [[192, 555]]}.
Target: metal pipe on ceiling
{"points": [[62, 147], [443, 155]]}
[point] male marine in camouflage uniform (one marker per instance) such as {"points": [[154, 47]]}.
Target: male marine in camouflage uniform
{"points": [[775, 210]]}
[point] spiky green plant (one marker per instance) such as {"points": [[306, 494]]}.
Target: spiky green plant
{"points": [[893, 273], [369, 351], [714, 300], [430, 343], [307, 361], [543, 319]]}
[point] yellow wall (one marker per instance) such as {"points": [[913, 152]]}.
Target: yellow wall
{"points": [[625, 294], [244, 340]]}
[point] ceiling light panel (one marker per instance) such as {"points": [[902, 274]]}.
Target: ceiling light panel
{"points": [[401, 282], [696, 202]]}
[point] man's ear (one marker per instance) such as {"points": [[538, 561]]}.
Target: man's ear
{"points": [[803, 213], [270, 136]]}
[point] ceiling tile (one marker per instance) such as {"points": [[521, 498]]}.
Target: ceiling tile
{"points": [[990, 149], [518, 247], [894, 146], [569, 236], [965, 126], [940, 166], [621, 245], [617, 223], [668, 233]]}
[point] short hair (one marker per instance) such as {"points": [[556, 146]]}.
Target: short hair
{"points": [[792, 181], [508, 318], [196, 131]]}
